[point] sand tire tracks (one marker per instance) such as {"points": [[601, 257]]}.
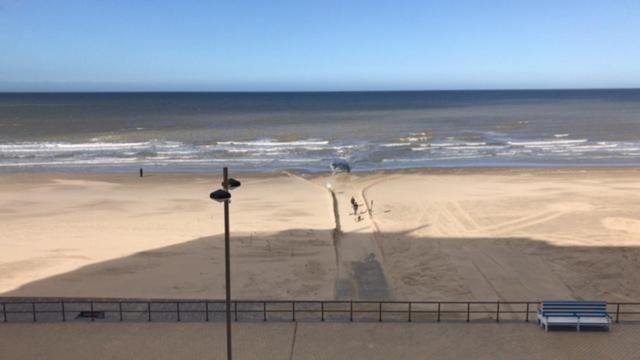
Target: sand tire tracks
{"points": [[525, 222], [336, 233], [374, 224]]}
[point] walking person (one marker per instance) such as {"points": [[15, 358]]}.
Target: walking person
{"points": [[141, 172]]}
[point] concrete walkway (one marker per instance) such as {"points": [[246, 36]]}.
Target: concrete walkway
{"points": [[317, 341]]}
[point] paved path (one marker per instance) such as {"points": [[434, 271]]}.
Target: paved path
{"points": [[317, 341]]}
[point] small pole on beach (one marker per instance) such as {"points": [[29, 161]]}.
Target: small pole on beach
{"points": [[223, 195]]}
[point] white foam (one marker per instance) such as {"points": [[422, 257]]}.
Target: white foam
{"points": [[474, 147], [95, 161], [395, 144], [458, 144], [62, 147], [310, 151], [268, 143], [547, 143], [177, 152]]}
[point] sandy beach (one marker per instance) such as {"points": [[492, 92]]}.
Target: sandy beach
{"points": [[450, 234]]}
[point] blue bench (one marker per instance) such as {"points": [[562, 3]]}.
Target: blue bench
{"points": [[574, 313]]}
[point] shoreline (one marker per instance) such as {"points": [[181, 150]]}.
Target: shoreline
{"points": [[159, 177], [353, 172]]}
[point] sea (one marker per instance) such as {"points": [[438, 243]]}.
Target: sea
{"points": [[306, 131]]}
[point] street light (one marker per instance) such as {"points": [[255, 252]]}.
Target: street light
{"points": [[220, 195], [223, 195]]}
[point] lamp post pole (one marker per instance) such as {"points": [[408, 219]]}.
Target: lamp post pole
{"points": [[223, 195], [227, 261]]}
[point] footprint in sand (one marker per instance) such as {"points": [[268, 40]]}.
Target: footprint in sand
{"points": [[628, 225]]}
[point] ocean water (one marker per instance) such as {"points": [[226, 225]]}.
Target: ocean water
{"points": [[306, 131]]}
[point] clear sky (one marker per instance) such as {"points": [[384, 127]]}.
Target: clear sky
{"points": [[256, 45]]}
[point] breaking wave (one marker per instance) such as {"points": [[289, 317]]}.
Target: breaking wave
{"points": [[315, 154]]}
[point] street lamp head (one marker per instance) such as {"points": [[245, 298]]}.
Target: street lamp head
{"points": [[220, 195], [233, 183]]}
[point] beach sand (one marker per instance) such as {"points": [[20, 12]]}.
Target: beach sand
{"points": [[161, 236], [448, 234]]}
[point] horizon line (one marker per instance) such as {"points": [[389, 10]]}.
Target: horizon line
{"points": [[310, 91]]}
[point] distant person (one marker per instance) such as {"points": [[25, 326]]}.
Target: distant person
{"points": [[141, 172]]}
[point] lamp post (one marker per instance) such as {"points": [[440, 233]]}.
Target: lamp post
{"points": [[223, 195]]}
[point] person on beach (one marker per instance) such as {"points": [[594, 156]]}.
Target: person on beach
{"points": [[141, 172]]}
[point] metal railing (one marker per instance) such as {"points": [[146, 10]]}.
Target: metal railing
{"points": [[85, 309]]}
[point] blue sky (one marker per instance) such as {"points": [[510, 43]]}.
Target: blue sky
{"points": [[238, 45]]}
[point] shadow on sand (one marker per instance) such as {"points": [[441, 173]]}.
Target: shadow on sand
{"points": [[301, 264]]}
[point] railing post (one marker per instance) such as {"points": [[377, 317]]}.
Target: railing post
{"points": [[93, 316], [351, 310], [293, 313], [322, 310], [380, 311], [62, 307], [235, 311], [206, 310], [120, 309], [149, 310], [618, 313], [409, 311], [264, 311], [468, 312], [33, 309], [438, 311], [527, 318], [497, 311], [178, 309]]}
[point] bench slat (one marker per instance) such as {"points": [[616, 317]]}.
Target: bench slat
{"points": [[574, 321]]}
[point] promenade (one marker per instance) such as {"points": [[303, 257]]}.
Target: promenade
{"points": [[313, 341]]}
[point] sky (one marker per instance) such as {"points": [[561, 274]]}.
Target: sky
{"points": [[317, 45]]}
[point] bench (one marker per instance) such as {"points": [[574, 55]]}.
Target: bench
{"points": [[574, 313]]}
